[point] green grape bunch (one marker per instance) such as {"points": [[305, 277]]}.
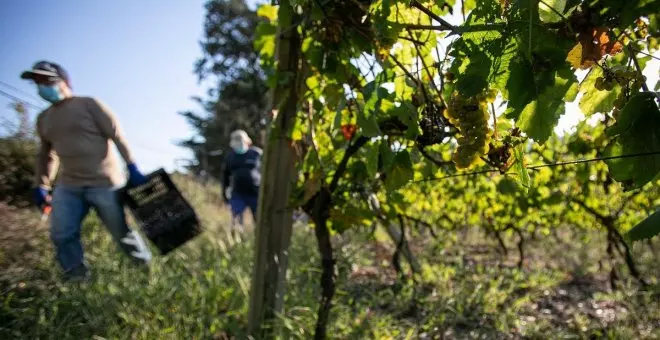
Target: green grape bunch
{"points": [[628, 78], [624, 76], [470, 116]]}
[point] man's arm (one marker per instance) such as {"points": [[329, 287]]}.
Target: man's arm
{"points": [[46, 162], [109, 126]]}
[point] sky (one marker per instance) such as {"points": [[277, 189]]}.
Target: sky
{"points": [[135, 56]]}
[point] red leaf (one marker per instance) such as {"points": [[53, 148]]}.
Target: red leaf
{"points": [[348, 130]]}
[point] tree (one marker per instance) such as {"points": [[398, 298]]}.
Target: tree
{"points": [[239, 99], [17, 156], [275, 214]]}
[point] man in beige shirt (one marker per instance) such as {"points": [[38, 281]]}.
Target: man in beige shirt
{"points": [[77, 133]]}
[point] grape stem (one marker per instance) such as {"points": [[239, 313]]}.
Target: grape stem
{"points": [[639, 69], [431, 158], [443, 22], [412, 77], [312, 139], [644, 53], [492, 107]]}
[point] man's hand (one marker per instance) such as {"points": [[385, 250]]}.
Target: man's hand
{"points": [[41, 196], [135, 177]]}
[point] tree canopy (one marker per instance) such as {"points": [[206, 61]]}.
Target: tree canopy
{"points": [[237, 98], [444, 112]]}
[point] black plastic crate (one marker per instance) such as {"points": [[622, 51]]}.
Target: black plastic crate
{"points": [[166, 218]]}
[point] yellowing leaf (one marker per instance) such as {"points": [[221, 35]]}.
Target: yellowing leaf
{"points": [[592, 46], [575, 58], [267, 11], [264, 40]]}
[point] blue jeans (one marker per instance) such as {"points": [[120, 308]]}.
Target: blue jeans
{"points": [[239, 202], [71, 205]]}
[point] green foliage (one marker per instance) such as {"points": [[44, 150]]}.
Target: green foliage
{"points": [[543, 93], [521, 170], [474, 77], [636, 132], [388, 83], [401, 171], [17, 156], [551, 10], [646, 229], [595, 100], [201, 290]]}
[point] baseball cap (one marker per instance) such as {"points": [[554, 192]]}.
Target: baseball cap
{"points": [[46, 70]]}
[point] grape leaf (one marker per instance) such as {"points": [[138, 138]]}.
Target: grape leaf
{"points": [[401, 88], [351, 215], [636, 132], [523, 85], [540, 116], [624, 13], [372, 159], [407, 113], [368, 124], [549, 10], [401, 171], [267, 11], [264, 40], [592, 46], [469, 5], [444, 8], [594, 100], [500, 69], [314, 85], [646, 229], [507, 186], [523, 174], [475, 78], [366, 118], [386, 155], [488, 11]]}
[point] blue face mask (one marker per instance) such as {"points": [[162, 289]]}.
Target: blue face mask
{"points": [[50, 93], [241, 150], [238, 146]]}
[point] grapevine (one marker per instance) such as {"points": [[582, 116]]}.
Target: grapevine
{"points": [[421, 95]]}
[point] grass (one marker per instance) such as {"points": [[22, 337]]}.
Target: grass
{"points": [[466, 290]]}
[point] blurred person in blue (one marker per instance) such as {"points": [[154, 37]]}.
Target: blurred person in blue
{"points": [[241, 177], [77, 135]]}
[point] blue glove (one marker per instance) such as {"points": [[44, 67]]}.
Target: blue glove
{"points": [[135, 177], [40, 196]]}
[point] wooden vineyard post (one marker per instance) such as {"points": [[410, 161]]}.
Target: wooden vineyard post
{"points": [[274, 215]]}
